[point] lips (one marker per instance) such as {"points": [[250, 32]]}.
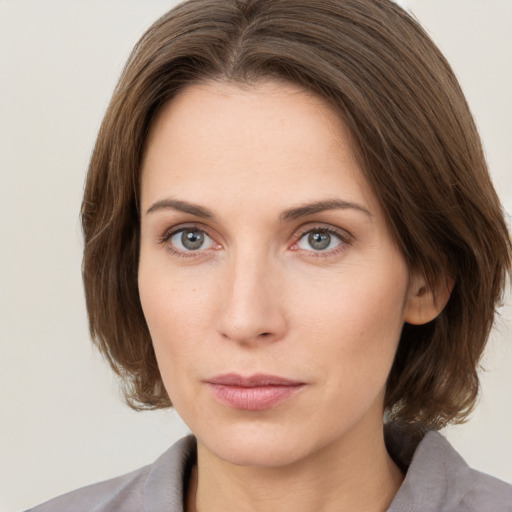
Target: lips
{"points": [[253, 393]]}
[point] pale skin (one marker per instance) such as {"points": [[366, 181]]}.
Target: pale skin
{"points": [[236, 275]]}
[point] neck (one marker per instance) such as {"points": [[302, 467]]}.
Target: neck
{"points": [[352, 474]]}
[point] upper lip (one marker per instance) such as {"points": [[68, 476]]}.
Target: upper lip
{"points": [[253, 381]]}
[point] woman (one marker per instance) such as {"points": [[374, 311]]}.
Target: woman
{"points": [[289, 232]]}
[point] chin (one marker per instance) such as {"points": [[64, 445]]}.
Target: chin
{"points": [[259, 450], [258, 444]]}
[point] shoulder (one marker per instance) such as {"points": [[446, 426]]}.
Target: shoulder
{"points": [[152, 488], [486, 493], [438, 479], [121, 491]]}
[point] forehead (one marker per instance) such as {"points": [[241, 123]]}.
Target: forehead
{"points": [[198, 111], [219, 138]]}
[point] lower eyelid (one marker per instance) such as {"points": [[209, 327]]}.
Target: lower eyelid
{"points": [[343, 237], [175, 250], [345, 240]]}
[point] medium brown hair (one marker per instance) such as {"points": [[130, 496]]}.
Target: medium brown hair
{"points": [[416, 142]]}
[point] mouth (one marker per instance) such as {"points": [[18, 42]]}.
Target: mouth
{"points": [[254, 393]]}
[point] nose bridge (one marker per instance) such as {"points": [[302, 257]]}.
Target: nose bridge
{"points": [[252, 309]]}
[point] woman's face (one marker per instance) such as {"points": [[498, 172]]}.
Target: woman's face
{"points": [[272, 289]]}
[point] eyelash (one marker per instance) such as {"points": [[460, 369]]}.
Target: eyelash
{"points": [[344, 237], [164, 239]]}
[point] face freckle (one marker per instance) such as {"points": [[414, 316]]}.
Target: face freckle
{"points": [[253, 168]]}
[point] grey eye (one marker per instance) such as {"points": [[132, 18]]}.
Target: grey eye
{"points": [[191, 240], [319, 240]]}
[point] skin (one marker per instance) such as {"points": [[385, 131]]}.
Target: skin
{"points": [[258, 297]]}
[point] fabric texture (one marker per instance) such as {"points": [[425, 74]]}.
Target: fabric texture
{"points": [[437, 480]]}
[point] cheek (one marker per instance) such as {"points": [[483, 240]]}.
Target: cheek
{"points": [[361, 318], [178, 308], [171, 300], [167, 320], [156, 308], [360, 302]]}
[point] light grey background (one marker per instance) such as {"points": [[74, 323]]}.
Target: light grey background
{"points": [[62, 422]]}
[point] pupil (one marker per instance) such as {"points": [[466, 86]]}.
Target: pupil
{"points": [[192, 240], [319, 241]]}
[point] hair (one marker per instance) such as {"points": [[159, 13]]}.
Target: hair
{"points": [[416, 143]]}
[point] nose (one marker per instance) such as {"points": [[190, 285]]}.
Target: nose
{"points": [[252, 307]]}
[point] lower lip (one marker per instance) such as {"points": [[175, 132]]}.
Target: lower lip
{"points": [[256, 398]]}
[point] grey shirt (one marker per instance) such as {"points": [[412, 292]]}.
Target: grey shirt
{"points": [[437, 480]]}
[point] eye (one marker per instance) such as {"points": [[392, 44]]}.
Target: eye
{"points": [[190, 239], [319, 240]]}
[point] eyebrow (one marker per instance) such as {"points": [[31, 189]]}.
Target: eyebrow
{"points": [[181, 206], [288, 215], [321, 206]]}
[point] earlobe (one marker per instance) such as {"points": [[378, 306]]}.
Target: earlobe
{"points": [[425, 302]]}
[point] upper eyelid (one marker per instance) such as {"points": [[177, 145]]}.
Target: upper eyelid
{"points": [[297, 234], [169, 232], [342, 233], [165, 240]]}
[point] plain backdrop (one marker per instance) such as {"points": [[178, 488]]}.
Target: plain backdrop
{"points": [[63, 423]]}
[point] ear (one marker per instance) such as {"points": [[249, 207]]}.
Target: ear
{"points": [[426, 302]]}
